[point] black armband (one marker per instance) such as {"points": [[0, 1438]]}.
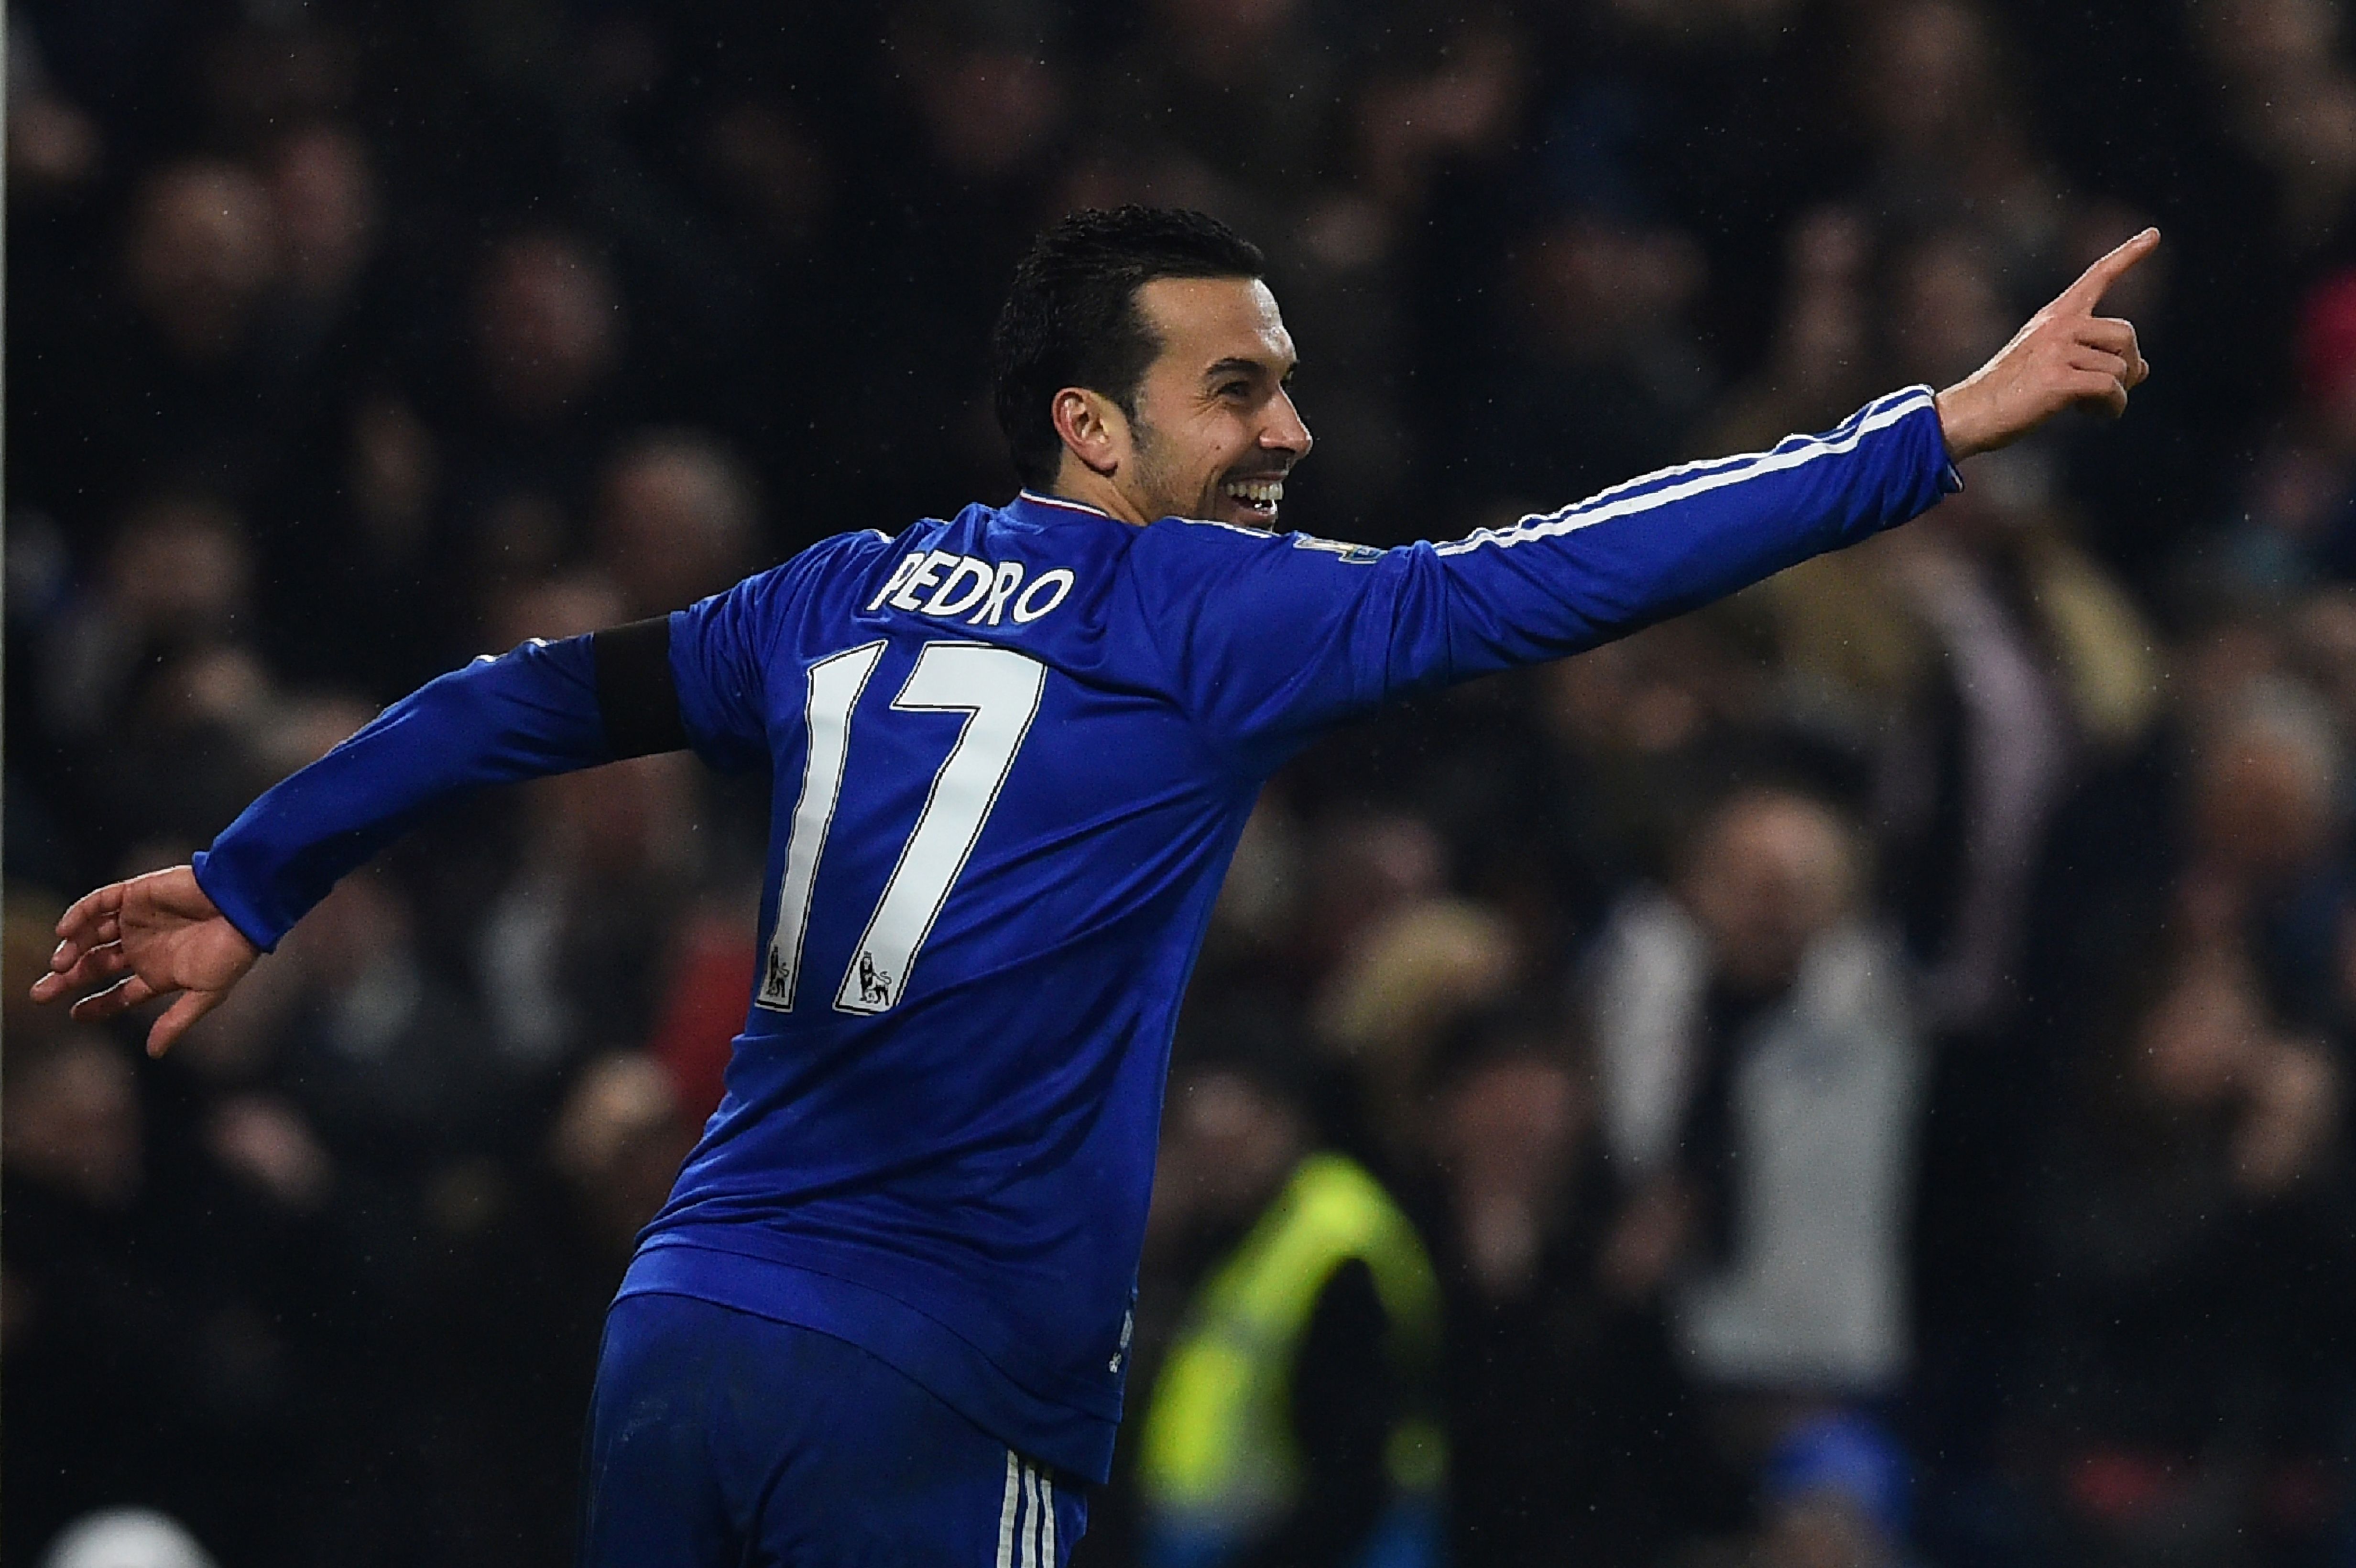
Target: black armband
{"points": [[636, 694]]}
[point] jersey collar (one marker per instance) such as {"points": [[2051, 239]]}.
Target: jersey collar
{"points": [[1042, 508]]}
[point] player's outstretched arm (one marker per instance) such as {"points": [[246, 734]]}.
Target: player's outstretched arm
{"points": [[2066, 356], [192, 932], [157, 936]]}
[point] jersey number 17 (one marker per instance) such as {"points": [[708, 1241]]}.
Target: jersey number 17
{"points": [[997, 690]]}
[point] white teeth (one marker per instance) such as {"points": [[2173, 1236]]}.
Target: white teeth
{"points": [[1256, 492]]}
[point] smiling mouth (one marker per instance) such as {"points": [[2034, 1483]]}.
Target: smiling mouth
{"points": [[1258, 498]]}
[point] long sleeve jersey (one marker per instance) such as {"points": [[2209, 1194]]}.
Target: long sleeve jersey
{"points": [[1012, 753]]}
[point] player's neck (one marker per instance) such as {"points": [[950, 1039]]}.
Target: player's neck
{"points": [[1076, 482]]}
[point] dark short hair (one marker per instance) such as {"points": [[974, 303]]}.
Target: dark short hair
{"points": [[1072, 318]]}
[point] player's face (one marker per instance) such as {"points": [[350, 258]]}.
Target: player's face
{"points": [[1216, 432]]}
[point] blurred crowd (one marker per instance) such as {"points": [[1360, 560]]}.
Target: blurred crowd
{"points": [[1868, 1062]]}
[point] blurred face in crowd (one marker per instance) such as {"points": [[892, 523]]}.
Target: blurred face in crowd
{"points": [[1592, 288], [1215, 432], [203, 247], [2197, 1040], [675, 523], [990, 110], [1769, 874], [2264, 802], [548, 325], [1949, 318], [1228, 1145], [180, 571], [1222, 40], [2267, 40], [1506, 1135], [326, 208], [71, 1121], [1928, 76]]}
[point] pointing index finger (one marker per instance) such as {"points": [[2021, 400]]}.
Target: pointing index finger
{"points": [[2096, 281]]}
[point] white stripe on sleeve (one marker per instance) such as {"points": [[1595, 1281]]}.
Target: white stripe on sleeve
{"points": [[1698, 478]]}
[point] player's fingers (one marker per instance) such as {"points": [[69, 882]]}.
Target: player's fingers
{"points": [[79, 923], [2096, 390], [2119, 337], [2118, 367], [2096, 281], [97, 932], [114, 1001], [103, 962], [2108, 333], [167, 1029]]}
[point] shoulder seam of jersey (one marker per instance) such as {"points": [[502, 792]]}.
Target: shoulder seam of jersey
{"points": [[1248, 533]]}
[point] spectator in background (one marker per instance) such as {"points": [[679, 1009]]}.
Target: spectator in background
{"points": [[175, 378], [356, 586], [1602, 371], [1941, 103], [329, 217], [55, 146], [1819, 362], [2195, 1264], [2299, 525], [1760, 1080], [515, 1296], [2291, 103], [1407, 978], [1568, 1434], [548, 328], [159, 655], [574, 946], [540, 391], [1992, 662], [1292, 1419], [979, 111], [677, 521], [203, 247], [1834, 1491], [146, 1368]]}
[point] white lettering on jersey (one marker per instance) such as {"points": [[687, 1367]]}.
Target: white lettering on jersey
{"points": [[966, 582], [1009, 577], [927, 572], [1060, 579], [961, 582], [899, 575]]}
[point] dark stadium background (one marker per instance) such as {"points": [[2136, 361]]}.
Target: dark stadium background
{"points": [[347, 339]]}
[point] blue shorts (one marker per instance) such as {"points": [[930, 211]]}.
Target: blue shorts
{"points": [[719, 1439]]}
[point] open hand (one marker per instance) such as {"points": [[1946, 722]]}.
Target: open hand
{"points": [[2066, 355], [152, 937]]}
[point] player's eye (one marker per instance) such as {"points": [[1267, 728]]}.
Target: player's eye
{"points": [[1235, 389]]}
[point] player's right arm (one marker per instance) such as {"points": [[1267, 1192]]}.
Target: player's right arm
{"points": [[1273, 638], [192, 932]]}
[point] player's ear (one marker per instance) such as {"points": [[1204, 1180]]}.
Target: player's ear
{"points": [[1093, 427]]}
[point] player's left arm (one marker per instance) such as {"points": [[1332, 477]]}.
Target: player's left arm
{"points": [[1273, 639], [2065, 357], [1672, 541]]}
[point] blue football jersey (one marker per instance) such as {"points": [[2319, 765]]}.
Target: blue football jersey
{"points": [[1011, 754]]}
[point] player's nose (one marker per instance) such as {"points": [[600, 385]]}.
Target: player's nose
{"points": [[1286, 430]]}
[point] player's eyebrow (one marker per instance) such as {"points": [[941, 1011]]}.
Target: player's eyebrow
{"points": [[1236, 364]]}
